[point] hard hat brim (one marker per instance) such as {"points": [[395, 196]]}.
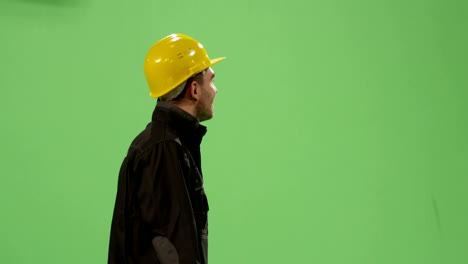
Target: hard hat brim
{"points": [[214, 61]]}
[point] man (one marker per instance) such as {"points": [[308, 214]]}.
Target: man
{"points": [[160, 213]]}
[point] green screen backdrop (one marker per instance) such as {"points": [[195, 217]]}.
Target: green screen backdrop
{"points": [[340, 133]]}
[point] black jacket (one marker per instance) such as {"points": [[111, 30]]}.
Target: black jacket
{"points": [[160, 213]]}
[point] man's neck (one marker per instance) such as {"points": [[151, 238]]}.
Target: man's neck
{"points": [[186, 107]]}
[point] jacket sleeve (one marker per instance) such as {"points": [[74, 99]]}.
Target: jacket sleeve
{"points": [[164, 205]]}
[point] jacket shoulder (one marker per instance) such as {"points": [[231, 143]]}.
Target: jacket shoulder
{"points": [[155, 133]]}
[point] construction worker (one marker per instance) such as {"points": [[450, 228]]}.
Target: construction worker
{"points": [[161, 210]]}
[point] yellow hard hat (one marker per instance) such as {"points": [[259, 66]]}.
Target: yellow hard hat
{"points": [[172, 60]]}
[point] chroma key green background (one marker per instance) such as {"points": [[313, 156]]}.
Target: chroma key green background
{"points": [[340, 133]]}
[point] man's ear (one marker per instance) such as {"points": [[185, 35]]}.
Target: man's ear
{"points": [[194, 90]]}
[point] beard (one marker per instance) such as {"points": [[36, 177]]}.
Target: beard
{"points": [[205, 112]]}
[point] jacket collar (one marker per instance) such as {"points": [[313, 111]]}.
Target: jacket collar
{"points": [[184, 124]]}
